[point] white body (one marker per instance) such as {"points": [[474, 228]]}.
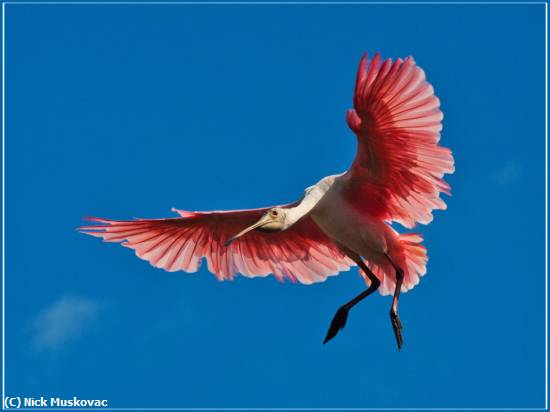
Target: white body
{"points": [[366, 237]]}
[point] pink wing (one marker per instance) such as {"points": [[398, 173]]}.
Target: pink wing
{"points": [[398, 170], [302, 252]]}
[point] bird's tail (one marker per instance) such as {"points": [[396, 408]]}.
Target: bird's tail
{"points": [[410, 255], [415, 259]]}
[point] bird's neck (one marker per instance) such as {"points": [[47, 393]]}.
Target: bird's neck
{"points": [[302, 209]]}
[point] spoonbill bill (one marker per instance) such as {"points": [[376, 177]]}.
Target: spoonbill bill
{"points": [[341, 221]]}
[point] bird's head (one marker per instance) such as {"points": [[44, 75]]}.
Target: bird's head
{"points": [[274, 220]]}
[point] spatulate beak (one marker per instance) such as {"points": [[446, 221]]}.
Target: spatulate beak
{"points": [[263, 221]]}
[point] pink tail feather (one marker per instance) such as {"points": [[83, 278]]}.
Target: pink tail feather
{"points": [[409, 254], [416, 258]]}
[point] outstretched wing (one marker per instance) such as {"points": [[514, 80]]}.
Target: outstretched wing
{"points": [[301, 253], [397, 174]]}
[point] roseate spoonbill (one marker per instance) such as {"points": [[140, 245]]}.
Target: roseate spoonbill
{"points": [[341, 221]]}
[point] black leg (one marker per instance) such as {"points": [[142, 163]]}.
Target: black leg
{"points": [[395, 321], [341, 316]]}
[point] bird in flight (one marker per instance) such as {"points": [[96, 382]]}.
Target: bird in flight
{"points": [[341, 221]]}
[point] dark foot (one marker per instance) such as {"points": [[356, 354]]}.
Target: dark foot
{"points": [[397, 328], [338, 323]]}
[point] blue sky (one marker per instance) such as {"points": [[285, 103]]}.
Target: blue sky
{"points": [[129, 110]]}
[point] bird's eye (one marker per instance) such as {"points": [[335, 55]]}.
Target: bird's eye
{"points": [[274, 213]]}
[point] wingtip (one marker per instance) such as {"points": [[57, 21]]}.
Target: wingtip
{"points": [[183, 213], [377, 57], [93, 230], [410, 58], [95, 219], [99, 234]]}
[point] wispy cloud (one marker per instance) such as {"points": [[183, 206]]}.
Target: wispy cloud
{"points": [[64, 320], [508, 173]]}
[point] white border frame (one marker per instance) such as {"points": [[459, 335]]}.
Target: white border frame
{"points": [[282, 3]]}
